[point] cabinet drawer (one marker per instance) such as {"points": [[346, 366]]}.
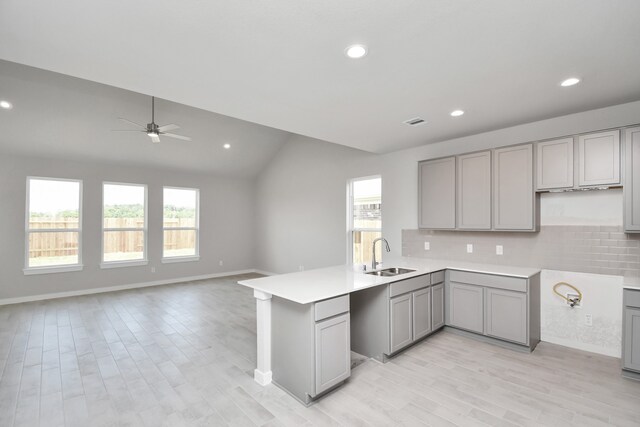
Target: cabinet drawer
{"points": [[501, 282], [437, 277], [408, 285], [331, 307], [632, 298]]}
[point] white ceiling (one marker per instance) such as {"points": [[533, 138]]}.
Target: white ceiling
{"points": [[65, 117], [281, 63]]}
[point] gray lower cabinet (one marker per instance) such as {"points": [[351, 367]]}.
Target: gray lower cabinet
{"points": [[466, 307], [506, 315], [311, 351], [437, 305], [631, 188], [333, 352], [631, 332], [498, 307], [421, 313], [401, 321]]}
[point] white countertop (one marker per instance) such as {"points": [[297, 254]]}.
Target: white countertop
{"points": [[315, 285]]}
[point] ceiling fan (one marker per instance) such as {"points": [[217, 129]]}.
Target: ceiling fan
{"points": [[152, 129]]}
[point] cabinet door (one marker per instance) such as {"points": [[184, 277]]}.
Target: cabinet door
{"points": [[437, 306], [421, 313], [513, 195], [554, 164], [474, 191], [631, 187], [401, 322], [437, 194], [333, 352], [631, 356], [599, 158], [506, 315], [466, 307]]}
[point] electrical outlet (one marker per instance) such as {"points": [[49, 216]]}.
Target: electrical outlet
{"points": [[469, 248], [499, 250], [221, 263], [427, 246], [301, 267], [588, 320], [153, 269]]}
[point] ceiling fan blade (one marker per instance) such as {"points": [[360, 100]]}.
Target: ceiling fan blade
{"points": [[154, 138], [173, 135], [133, 123], [126, 130], [168, 127]]}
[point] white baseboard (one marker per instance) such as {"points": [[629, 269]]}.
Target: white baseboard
{"points": [[591, 348], [41, 297]]}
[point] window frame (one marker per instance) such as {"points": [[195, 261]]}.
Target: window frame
{"points": [[145, 231], [61, 268], [350, 228], [196, 228]]}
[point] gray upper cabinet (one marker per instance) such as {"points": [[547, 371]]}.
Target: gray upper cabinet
{"points": [[333, 352], [554, 164], [437, 194], [599, 159], [421, 313], [632, 180], [437, 306], [513, 193], [466, 306], [506, 315], [401, 321], [474, 191]]}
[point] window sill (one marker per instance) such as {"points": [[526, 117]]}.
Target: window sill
{"points": [[118, 264], [181, 259], [53, 269]]}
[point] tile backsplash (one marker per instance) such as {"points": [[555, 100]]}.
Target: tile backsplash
{"points": [[581, 248]]}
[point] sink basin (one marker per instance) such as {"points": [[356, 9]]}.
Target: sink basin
{"points": [[388, 272]]}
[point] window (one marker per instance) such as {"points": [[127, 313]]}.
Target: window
{"points": [[180, 224], [365, 219], [124, 225], [53, 225]]}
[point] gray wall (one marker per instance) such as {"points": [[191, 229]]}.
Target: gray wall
{"points": [[301, 215], [226, 225]]}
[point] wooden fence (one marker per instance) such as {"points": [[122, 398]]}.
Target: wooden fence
{"points": [[58, 244]]}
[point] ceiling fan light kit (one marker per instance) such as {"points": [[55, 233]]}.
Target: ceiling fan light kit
{"points": [[152, 129]]}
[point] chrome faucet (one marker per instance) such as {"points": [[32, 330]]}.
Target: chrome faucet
{"points": [[374, 264]]}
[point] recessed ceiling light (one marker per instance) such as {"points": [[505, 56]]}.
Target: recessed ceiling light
{"points": [[227, 146], [356, 51], [457, 113], [6, 105], [570, 82]]}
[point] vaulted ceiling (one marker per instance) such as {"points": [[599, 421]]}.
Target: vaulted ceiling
{"points": [[281, 63]]}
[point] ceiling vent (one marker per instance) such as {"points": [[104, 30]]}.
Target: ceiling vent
{"points": [[415, 121]]}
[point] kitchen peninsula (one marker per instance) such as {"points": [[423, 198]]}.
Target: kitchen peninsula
{"points": [[308, 322]]}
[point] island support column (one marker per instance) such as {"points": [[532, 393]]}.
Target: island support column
{"points": [[262, 374]]}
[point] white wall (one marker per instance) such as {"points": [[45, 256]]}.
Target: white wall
{"points": [[563, 325], [226, 225]]}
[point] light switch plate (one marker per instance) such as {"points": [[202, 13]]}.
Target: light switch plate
{"points": [[499, 250], [427, 246], [469, 248]]}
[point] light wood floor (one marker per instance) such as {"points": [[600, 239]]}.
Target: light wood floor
{"points": [[184, 355]]}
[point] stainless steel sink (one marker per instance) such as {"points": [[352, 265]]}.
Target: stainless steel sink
{"points": [[388, 272]]}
